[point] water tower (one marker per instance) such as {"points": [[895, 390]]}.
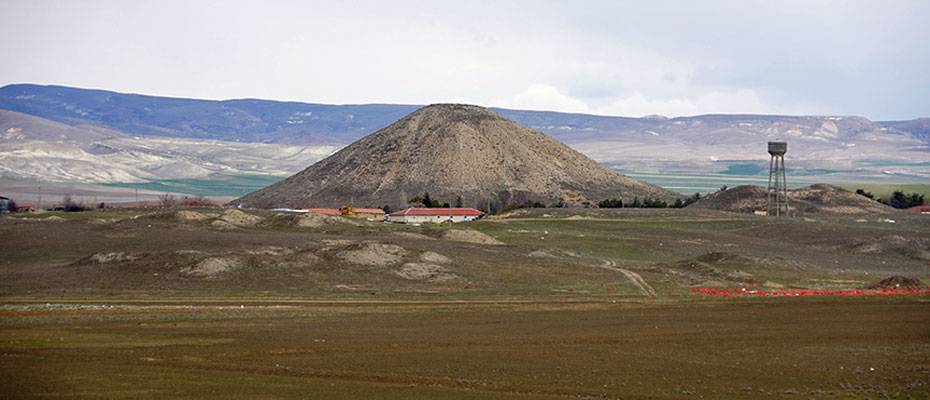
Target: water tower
{"points": [[778, 187]]}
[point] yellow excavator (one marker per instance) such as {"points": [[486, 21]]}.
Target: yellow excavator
{"points": [[347, 210]]}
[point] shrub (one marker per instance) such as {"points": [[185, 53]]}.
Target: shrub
{"points": [[69, 205], [611, 203], [901, 200], [167, 201], [692, 199]]}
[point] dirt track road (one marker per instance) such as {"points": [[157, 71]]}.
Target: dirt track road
{"points": [[635, 278]]}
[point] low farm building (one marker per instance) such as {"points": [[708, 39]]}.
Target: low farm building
{"points": [[434, 215], [324, 211], [371, 214], [923, 209]]}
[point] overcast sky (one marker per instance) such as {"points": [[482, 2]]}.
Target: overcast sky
{"points": [[869, 58]]}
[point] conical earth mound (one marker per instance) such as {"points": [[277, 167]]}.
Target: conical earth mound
{"points": [[452, 150]]}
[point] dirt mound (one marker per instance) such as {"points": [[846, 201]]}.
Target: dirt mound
{"points": [[373, 254], [311, 220], [306, 259], [239, 218], [445, 149], [898, 282], [314, 220], [270, 251], [103, 258], [425, 272], [435, 258], [220, 224], [191, 216], [712, 269], [470, 236], [541, 254], [211, 267], [814, 199], [918, 248]]}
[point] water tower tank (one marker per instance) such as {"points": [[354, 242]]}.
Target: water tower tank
{"points": [[778, 148]]}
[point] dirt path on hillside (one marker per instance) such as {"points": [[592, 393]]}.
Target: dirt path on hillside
{"points": [[637, 280]]}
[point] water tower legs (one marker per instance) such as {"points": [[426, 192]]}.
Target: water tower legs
{"points": [[778, 187]]}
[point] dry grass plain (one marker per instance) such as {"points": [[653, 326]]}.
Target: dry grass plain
{"points": [[125, 304]]}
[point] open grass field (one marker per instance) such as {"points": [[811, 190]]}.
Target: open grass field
{"points": [[548, 303], [542, 254]]}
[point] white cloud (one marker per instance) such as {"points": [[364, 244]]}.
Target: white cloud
{"points": [[600, 57], [540, 96], [736, 101]]}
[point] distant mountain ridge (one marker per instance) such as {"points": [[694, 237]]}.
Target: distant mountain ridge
{"points": [[256, 120], [654, 143], [245, 120]]}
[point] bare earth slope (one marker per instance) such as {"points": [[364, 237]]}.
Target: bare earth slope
{"points": [[451, 150], [40, 149], [814, 199]]}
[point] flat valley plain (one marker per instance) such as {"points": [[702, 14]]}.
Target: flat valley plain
{"points": [[169, 304]]}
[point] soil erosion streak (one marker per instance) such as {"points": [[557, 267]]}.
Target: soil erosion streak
{"points": [[637, 280]]}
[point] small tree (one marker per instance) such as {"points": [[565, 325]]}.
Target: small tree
{"points": [[611, 203], [167, 200], [901, 200], [11, 206], [459, 202], [692, 199], [916, 199], [69, 205], [863, 193], [636, 203], [427, 201], [678, 204]]}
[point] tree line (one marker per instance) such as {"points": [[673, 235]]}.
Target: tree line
{"points": [[648, 203], [898, 199]]}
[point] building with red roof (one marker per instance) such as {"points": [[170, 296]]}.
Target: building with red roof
{"points": [[434, 215], [924, 209]]}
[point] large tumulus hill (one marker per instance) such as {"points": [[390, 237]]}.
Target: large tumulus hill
{"points": [[452, 150]]}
